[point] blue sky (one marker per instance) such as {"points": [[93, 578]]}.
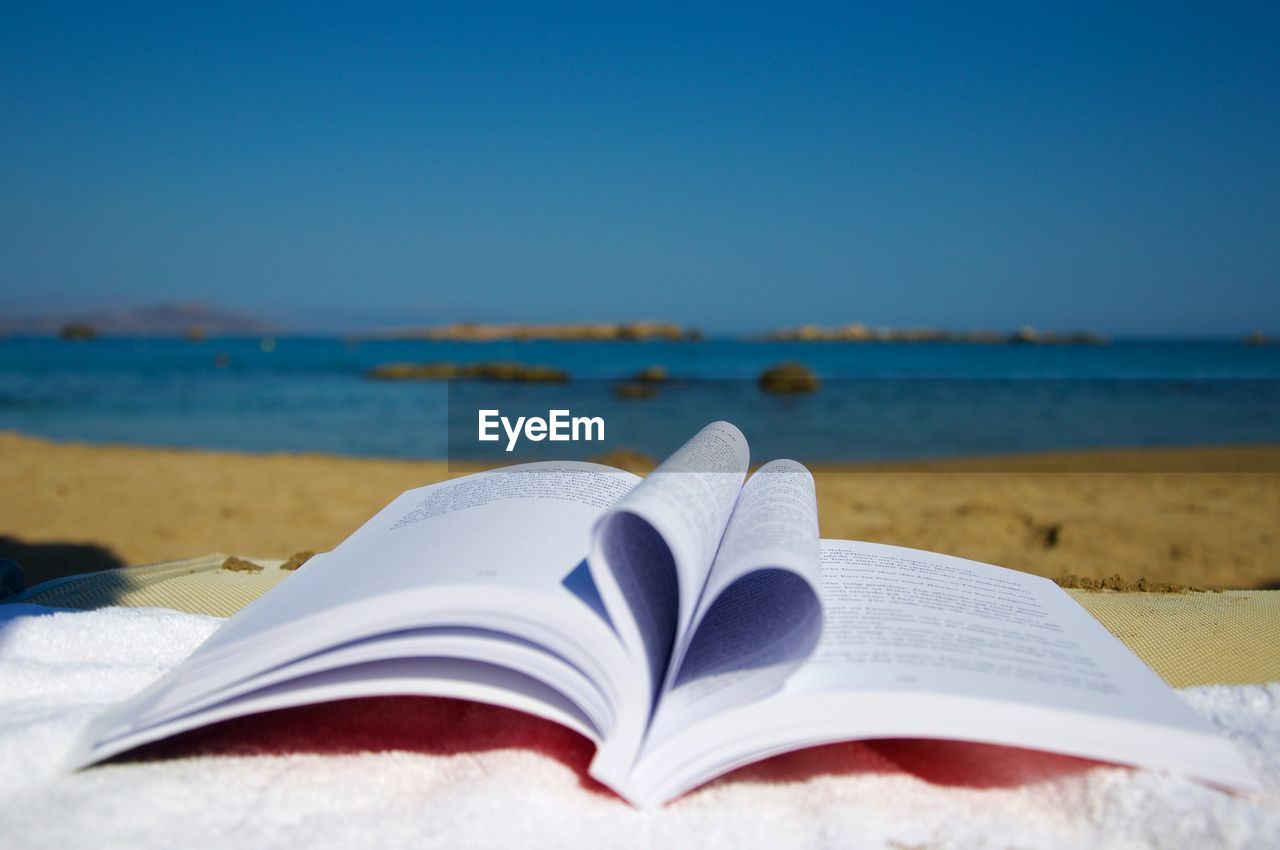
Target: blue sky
{"points": [[733, 167]]}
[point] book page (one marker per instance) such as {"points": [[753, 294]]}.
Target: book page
{"points": [[920, 621], [427, 675], [650, 557], [760, 616], [918, 644], [496, 551], [652, 552]]}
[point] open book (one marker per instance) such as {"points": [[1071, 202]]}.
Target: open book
{"points": [[687, 623]]}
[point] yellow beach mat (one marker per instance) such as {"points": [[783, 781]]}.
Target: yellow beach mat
{"points": [[1197, 638], [1231, 637], [196, 585]]}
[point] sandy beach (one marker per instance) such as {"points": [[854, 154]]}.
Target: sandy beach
{"points": [[69, 507]]}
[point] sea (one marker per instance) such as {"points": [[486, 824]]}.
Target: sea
{"points": [[876, 402]]}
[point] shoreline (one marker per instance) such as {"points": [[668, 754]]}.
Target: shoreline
{"points": [[1199, 516], [1247, 457]]}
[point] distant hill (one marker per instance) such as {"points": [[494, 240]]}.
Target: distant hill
{"points": [[176, 319]]}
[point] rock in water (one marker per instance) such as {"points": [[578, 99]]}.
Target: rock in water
{"points": [[496, 371], [634, 390], [789, 379], [651, 375], [78, 331]]}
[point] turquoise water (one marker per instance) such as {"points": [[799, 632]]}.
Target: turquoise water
{"points": [[877, 401]]}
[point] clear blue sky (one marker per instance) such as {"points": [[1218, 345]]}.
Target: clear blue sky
{"points": [[733, 167]]}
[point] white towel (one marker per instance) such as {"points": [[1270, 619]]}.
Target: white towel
{"points": [[406, 772]]}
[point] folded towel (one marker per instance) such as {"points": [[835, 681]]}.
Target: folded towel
{"points": [[398, 772]]}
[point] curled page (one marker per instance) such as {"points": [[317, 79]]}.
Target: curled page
{"points": [[650, 557], [760, 615]]}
